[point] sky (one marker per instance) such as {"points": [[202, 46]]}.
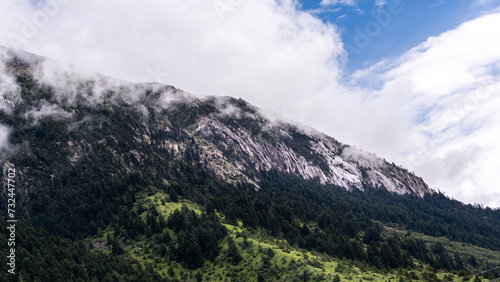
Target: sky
{"points": [[415, 82], [402, 24]]}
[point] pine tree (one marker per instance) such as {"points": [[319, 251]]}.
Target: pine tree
{"points": [[171, 272], [232, 251], [116, 249]]}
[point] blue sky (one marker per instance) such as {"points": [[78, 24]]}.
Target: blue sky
{"points": [[418, 20]]}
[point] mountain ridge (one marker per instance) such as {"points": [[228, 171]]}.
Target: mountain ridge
{"points": [[154, 184], [236, 141]]}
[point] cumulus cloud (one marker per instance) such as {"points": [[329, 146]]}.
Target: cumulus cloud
{"points": [[262, 42], [450, 83], [257, 48]]}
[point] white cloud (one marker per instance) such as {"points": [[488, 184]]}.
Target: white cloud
{"points": [[338, 2], [4, 137], [45, 109], [6, 149], [483, 2], [277, 57], [259, 47], [359, 156], [9, 90], [452, 89]]}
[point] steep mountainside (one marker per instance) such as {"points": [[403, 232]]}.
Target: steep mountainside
{"points": [[116, 181], [231, 138]]}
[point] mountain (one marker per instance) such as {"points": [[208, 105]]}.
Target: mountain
{"points": [[232, 139], [154, 183]]}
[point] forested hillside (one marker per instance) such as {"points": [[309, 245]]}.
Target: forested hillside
{"points": [[117, 186]]}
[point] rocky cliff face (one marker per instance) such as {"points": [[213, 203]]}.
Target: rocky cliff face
{"points": [[319, 157], [144, 127]]}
